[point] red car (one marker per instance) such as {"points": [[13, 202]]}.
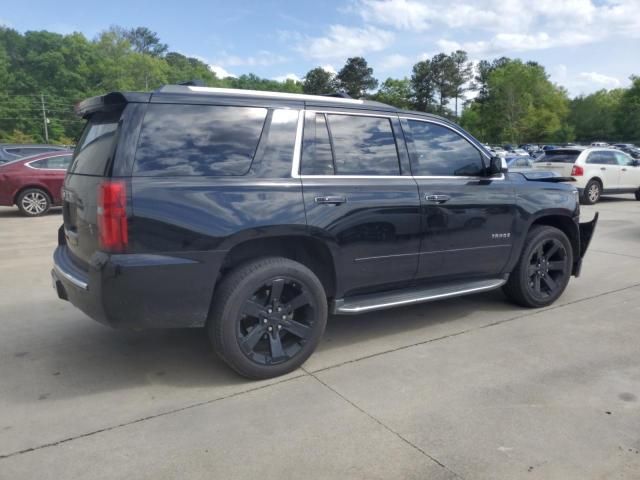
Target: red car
{"points": [[34, 183]]}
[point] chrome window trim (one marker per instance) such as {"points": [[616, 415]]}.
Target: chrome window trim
{"points": [[297, 150], [28, 164]]}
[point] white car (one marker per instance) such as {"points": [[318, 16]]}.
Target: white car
{"points": [[596, 170]]}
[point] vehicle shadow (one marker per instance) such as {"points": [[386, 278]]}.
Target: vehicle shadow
{"points": [[76, 357]]}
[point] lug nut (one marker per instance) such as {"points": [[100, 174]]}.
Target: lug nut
{"points": [[279, 309], [284, 317], [270, 328], [279, 327], [269, 311], [264, 320]]}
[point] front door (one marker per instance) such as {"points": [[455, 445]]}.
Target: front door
{"points": [[359, 200], [467, 217], [629, 171]]}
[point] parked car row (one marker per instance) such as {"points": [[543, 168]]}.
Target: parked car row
{"points": [[34, 183], [13, 151], [595, 170]]}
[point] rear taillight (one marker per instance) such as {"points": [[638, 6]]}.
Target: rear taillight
{"points": [[577, 171], [112, 216]]}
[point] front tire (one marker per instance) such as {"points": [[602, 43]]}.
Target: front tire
{"points": [[592, 192], [543, 270], [33, 202], [268, 317]]}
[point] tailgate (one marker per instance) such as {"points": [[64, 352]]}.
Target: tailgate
{"points": [[89, 167]]}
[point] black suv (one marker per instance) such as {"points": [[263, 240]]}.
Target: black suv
{"points": [[256, 214]]}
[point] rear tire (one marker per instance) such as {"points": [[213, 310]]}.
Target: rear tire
{"points": [[34, 202], [638, 194], [543, 270], [592, 192], [267, 317]]}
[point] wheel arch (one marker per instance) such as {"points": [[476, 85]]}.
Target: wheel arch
{"points": [[305, 249], [565, 224]]}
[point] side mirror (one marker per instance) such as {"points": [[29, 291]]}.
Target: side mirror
{"points": [[497, 165], [634, 163]]}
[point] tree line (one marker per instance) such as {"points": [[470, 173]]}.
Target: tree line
{"points": [[43, 74]]}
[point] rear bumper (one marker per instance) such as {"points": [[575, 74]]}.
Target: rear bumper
{"points": [[139, 290], [586, 234]]}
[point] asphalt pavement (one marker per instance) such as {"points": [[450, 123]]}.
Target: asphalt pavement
{"points": [[472, 388]]}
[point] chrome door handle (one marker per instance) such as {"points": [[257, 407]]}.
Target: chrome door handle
{"points": [[436, 198], [602, 168], [624, 169], [330, 200]]}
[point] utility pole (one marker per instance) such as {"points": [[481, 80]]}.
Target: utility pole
{"points": [[44, 120]]}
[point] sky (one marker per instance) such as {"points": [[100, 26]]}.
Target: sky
{"points": [[585, 45]]}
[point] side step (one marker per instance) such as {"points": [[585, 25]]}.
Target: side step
{"points": [[397, 298]]}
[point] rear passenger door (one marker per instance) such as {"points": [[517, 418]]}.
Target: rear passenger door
{"points": [[605, 166], [467, 217], [360, 197]]}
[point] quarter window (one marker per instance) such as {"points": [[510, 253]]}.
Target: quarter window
{"points": [[440, 151], [179, 140], [52, 163]]}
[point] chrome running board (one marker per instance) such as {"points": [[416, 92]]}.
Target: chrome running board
{"points": [[380, 301]]}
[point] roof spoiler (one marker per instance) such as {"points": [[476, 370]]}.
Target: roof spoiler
{"points": [[109, 102]]}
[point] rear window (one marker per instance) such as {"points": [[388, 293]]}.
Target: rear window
{"points": [[559, 156], [92, 153], [363, 145], [182, 140]]}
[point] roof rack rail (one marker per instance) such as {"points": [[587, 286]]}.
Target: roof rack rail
{"points": [[337, 95], [192, 83]]}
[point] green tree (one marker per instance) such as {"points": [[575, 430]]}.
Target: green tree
{"points": [[443, 71], [318, 81], [628, 112], [462, 74], [356, 77], [396, 92], [423, 86], [145, 41], [594, 116], [520, 104]]}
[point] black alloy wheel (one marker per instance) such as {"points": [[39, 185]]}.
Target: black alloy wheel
{"points": [[548, 268], [276, 321], [543, 271], [267, 317]]}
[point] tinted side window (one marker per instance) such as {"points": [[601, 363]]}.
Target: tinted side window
{"points": [[622, 159], [602, 158], [198, 140], [33, 151], [439, 151], [363, 145], [317, 158]]}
